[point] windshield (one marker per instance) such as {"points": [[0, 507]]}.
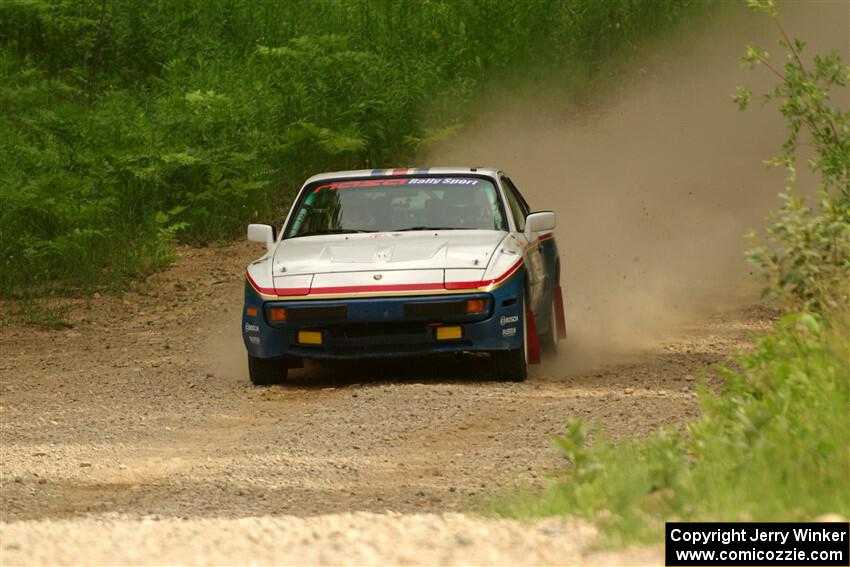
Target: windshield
{"points": [[397, 204]]}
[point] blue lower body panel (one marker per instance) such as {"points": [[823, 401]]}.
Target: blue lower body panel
{"points": [[382, 327]]}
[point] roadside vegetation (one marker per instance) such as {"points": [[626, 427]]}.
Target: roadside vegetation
{"points": [[127, 125], [773, 443]]}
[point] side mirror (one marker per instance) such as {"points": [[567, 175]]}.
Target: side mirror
{"points": [[539, 222], [261, 233]]}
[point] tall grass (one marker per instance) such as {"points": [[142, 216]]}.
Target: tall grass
{"points": [[125, 124], [772, 445]]}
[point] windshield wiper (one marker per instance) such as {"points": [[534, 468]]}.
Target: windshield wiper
{"points": [[331, 231], [431, 228]]}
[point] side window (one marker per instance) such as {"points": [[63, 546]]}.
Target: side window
{"points": [[519, 208]]}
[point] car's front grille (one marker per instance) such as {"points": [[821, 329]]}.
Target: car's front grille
{"points": [[435, 308], [317, 313], [389, 349], [376, 329]]}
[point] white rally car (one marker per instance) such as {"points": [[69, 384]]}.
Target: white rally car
{"points": [[404, 262]]}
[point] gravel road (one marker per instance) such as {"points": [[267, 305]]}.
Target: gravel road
{"points": [[134, 436], [358, 538]]}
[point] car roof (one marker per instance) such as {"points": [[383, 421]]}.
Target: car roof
{"points": [[488, 171]]}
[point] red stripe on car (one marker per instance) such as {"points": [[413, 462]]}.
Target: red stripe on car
{"points": [[484, 283], [372, 288], [255, 285], [388, 287]]}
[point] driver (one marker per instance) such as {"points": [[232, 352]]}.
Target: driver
{"points": [[467, 207]]}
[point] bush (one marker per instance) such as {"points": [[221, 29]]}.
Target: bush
{"points": [[772, 445], [806, 259]]}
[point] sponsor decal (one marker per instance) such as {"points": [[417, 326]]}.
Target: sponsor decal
{"points": [[509, 332], [249, 328], [508, 320], [399, 181], [254, 340], [443, 181], [364, 183]]}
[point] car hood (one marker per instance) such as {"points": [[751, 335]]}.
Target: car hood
{"points": [[415, 250]]}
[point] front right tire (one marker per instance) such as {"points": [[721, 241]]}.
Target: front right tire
{"points": [[267, 371], [509, 365]]}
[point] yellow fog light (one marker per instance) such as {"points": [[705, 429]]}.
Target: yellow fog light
{"points": [[449, 333], [474, 306], [310, 337]]}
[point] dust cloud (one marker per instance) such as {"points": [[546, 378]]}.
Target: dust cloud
{"points": [[655, 184]]}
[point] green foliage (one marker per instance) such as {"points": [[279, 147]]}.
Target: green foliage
{"points": [[127, 124], [806, 259], [771, 445], [807, 263]]}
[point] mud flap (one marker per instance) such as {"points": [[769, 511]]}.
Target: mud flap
{"points": [[559, 313], [533, 340]]}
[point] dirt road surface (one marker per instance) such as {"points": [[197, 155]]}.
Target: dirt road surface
{"points": [[134, 436]]}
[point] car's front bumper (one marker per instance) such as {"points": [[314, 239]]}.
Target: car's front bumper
{"points": [[384, 326]]}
